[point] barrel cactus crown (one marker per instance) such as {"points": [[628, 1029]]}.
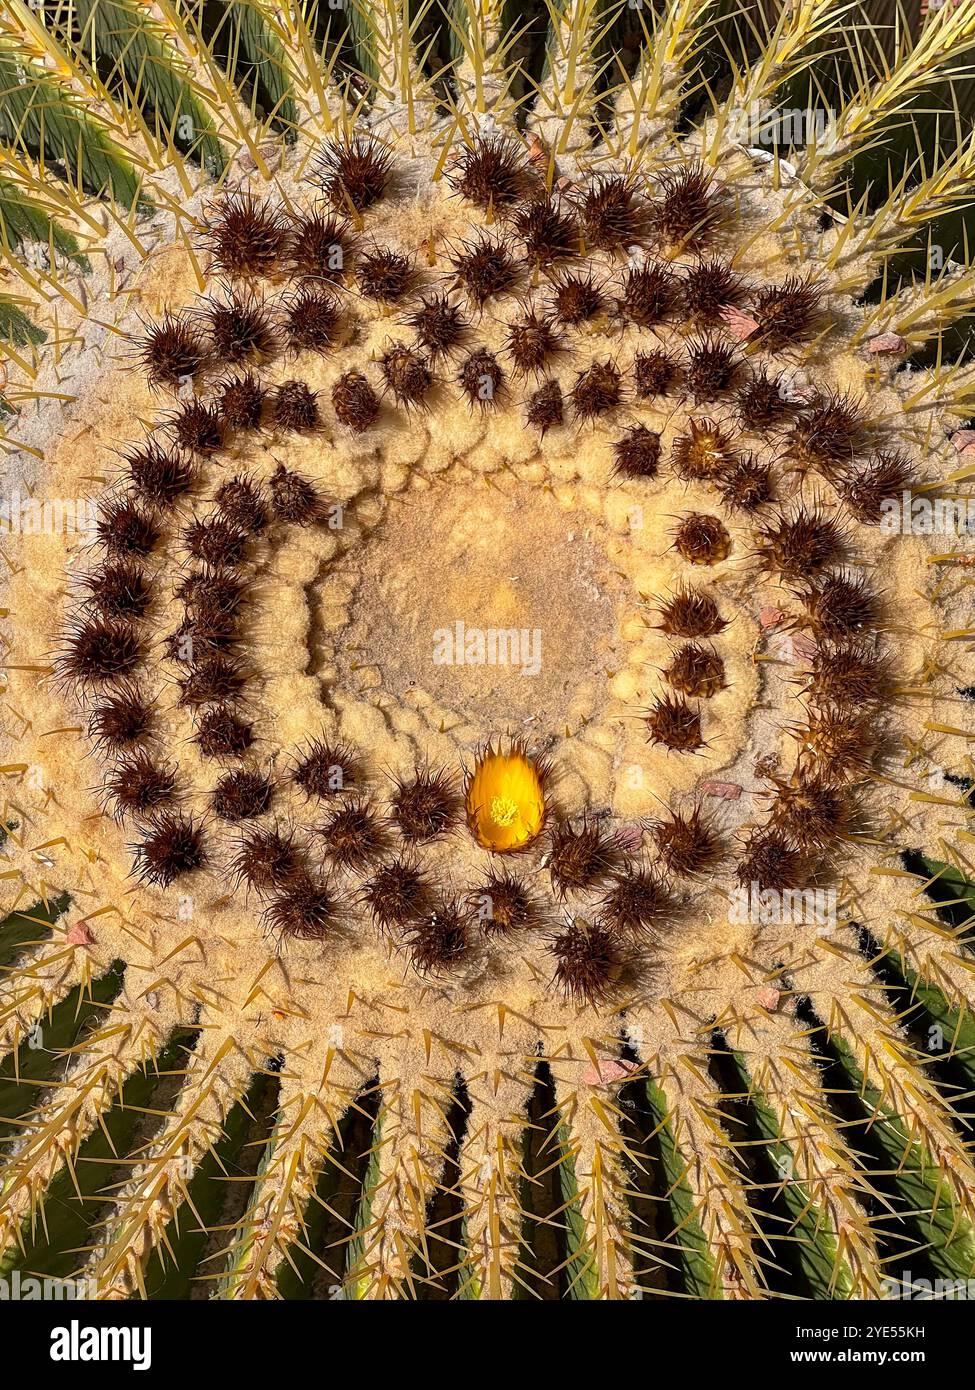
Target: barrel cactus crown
{"points": [[485, 674]]}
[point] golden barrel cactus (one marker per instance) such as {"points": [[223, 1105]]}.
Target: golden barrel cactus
{"points": [[485, 627]]}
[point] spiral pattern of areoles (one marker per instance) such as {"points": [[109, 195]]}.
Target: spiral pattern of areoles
{"points": [[633, 279]]}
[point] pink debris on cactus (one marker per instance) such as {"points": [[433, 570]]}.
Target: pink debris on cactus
{"points": [[770, 617], [739, 324], [629, 837], [726, 791], [891, 344], [803, 647], [604, 1073]]}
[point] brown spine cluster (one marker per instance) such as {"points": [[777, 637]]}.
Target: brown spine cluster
{"points": [[532, 252]]}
